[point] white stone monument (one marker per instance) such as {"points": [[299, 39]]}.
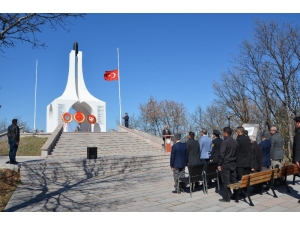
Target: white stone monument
{"points": [[76, 96], [252, 129]]}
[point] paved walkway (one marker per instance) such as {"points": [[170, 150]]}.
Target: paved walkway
{"points": [[140, 195], [4, 159]]}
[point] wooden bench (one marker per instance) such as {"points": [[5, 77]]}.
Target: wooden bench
{"points": [[287, 170], [248, 180], [195, 174]]}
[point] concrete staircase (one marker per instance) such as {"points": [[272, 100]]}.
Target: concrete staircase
{"points": [[120, 156], [74, 145]]}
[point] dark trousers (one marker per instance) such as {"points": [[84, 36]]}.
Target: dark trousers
{"points": [[228, 176], [205, 161], [178, 173], [242, 171], [13, 147], [126, 124]]}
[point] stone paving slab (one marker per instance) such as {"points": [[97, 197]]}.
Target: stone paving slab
{"points": [[138, 197], [126, 194]]}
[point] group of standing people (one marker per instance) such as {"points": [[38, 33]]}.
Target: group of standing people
{"points": [[235, 157], [192, 152]]}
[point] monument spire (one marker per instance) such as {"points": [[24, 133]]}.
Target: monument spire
{"points": [[76, 96], [75, 47]]}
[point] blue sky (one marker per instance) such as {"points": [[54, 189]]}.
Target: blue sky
{"points": [[167, 56]]}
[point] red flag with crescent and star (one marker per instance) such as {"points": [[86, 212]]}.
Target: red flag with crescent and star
{"points": [[111, 75]]}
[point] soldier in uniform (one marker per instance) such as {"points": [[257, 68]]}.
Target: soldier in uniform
{"points": [[227, 162], [126, 120]]}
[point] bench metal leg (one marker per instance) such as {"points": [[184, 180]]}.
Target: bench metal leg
{"points": [[248, 195], [294, 177], [271, 186], [237, 194], [287, 187]]}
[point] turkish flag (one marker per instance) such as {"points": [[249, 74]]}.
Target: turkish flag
{"points": [[111, 75]]}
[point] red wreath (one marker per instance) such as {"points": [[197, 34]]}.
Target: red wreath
{"points": [[91, 119], [79, 117], [66, 117]]}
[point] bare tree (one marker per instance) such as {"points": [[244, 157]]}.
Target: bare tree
{"points": [[263, 84], [5, 123], [151, 115], [24, 26]]}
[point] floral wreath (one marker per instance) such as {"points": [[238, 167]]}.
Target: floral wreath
{"points": [[91, 119], [66, 117], [79, 117]]}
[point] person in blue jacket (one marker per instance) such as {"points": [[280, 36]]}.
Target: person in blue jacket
{"points": [[178, 161]]}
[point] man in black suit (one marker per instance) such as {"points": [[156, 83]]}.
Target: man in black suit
{"points": [[243, 157], [193, 149], [166, 131], [178, 161], [216, 144], [296, 144], [256, 161], [227, 162], [193, 152]]}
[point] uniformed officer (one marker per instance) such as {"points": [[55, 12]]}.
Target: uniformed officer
{"points": [[216, 144], [227, 162]]}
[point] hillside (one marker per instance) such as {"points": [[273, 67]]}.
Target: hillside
{"points": [[29, 146]]}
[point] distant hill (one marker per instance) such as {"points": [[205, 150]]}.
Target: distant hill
{"points": [[29, 146]]}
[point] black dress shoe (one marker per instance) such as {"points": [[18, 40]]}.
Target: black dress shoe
{"points": [[175, 192], [233, 197], [8, 162], [224, 200], [15, 162]]}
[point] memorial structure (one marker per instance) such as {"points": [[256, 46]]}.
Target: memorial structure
{"points": [[76, 96]]}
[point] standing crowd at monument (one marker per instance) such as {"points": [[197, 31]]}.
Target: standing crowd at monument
{"points": [[235, 156]]}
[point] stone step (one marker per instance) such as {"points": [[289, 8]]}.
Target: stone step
{"points": [[68, 177], [104, 163], [107, 143], [74, 168]]}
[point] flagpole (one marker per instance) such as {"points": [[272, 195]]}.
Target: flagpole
{"points": [[119, 87], [34, 128]]}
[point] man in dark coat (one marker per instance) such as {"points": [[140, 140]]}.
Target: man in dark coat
{"points": [[216, 144], [178, 161], [256, 161], [243, 158], [227, 162], [193, 152], [256, 155], [13, 135], [265, 146], [296, 144]]}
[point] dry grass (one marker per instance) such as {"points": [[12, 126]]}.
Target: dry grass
{"points": [[29, 146], [9, 180]]}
